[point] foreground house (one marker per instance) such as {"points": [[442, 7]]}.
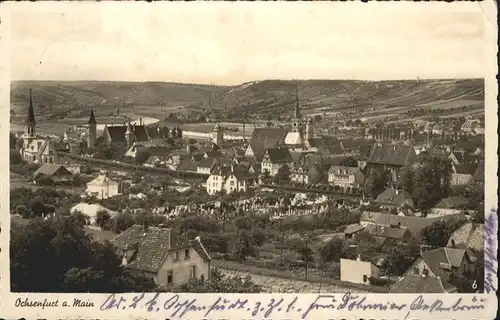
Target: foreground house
{"points": [[158, 253], [56, 172], [443, 263], [103, 187], [395, 198], [358, 271], [418, 283]]}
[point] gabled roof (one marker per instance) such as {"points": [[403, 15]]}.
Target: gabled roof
{"points": [[391, 154], [414, 224], [394, 197], [279, 155], [469, 235], [455, 202], [353, 228], [467, 168], [187, 164], [102, 180], [342, 170], [117, 133], [479, 173], [416, 283], [265, 138], [152, 246], [207, 163], [49, 169], [349, 144], [438, 260]]}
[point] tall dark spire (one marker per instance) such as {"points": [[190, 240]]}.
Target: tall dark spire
{"points": [[297, 109], [30, 121], [92, 117]]}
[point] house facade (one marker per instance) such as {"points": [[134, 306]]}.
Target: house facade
{"points": [[346, 177], [228, 179], [103, 187], [391, 157], [275, 158], [160, 254], [357, 271]]}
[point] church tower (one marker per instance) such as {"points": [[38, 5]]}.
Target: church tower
{"points": [[297, 125], [92, 130], [218, 135], [30, 127], [129, 135], [310, 129]]}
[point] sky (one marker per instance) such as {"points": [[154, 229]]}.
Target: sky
{"points": [[230, 43]]}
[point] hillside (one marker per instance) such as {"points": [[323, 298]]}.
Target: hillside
{"points": [[102, 94], [273, 97], [267, 98]]}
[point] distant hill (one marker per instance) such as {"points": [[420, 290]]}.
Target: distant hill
{"points": [[95, 94], [268, 97]]}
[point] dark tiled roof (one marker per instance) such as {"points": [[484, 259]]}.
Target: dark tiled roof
{"points": [[414, 224], [437, 259], [207, 163], [279, 155], [353, 228], [49, 170], [117, 133], [419, 284], [468, 168], [479, 173], [349, 144], [395, 197], [153, 245], [187, 164], [455, 202], [392, 154], [341, 169], [265, 138]]}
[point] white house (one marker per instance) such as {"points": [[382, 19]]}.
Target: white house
{"points": [[229, 179], [346, 176], [358, 271], [103, 187]]}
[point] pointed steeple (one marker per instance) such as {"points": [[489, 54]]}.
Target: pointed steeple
{"points": [[92, 117], [30, 121], [297, 109]]}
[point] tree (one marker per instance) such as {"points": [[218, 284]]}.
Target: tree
{"points": [[376, 182], [220, 283], [243, 246], [283, 175], [438, 233], [303, 248], [406, 179], [57, 255], [349, 162], [122, 222], [332, 250], [401, 256], [365, 244], [103, 218]]}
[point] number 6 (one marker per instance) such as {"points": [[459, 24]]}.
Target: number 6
{"points": [[474, 285]]}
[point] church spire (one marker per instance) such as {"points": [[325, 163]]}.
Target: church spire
{"points": [[297, 109], [31, 112], [92, 117]]}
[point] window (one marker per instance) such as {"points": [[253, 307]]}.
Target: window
{"points": [[416, 270], [365, 278], [176, 256], [186, 254], [193, 271], [170, 276]]}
